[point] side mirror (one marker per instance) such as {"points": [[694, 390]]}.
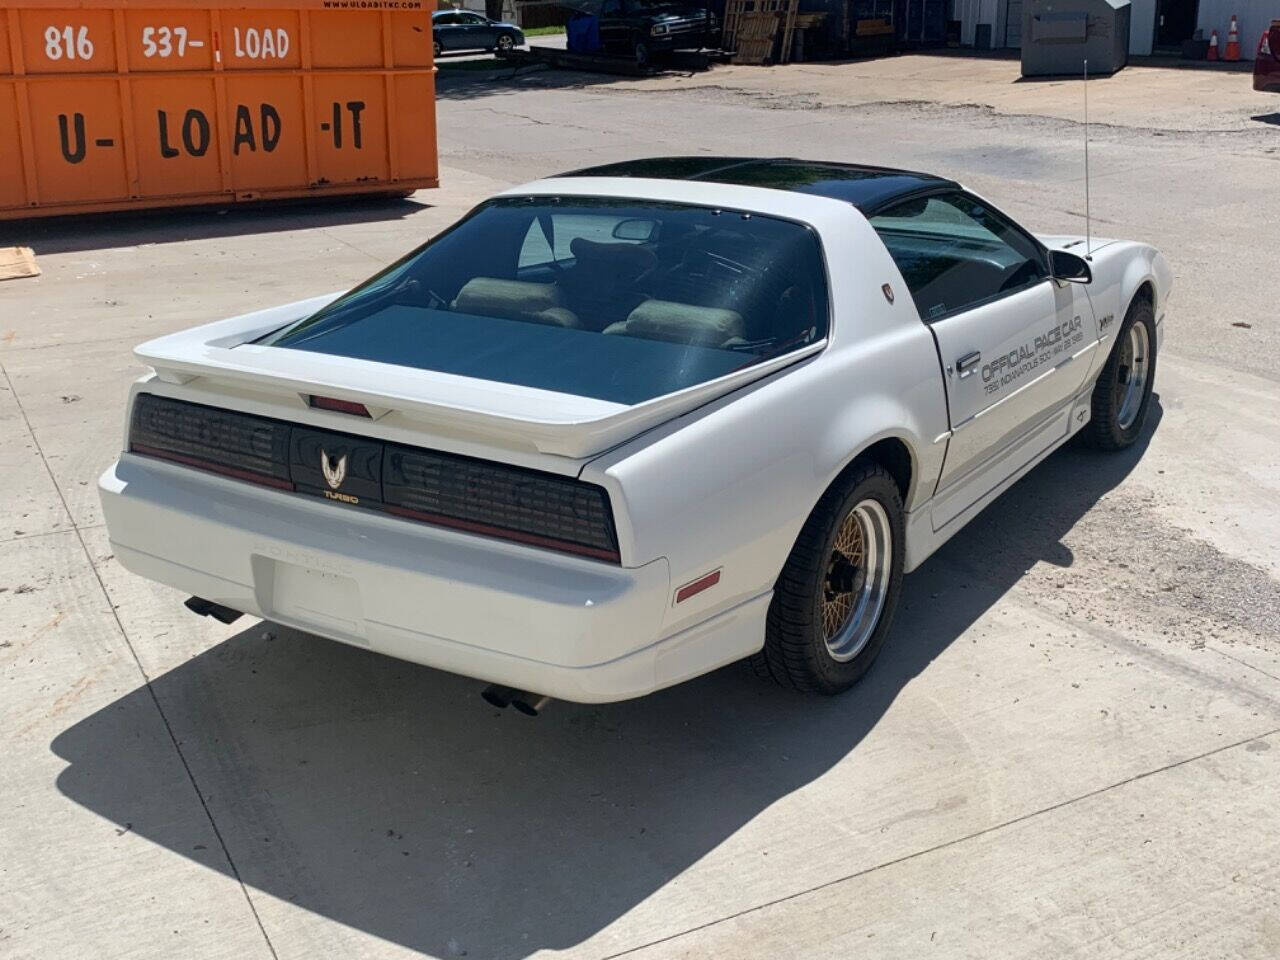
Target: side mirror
{"points": [[1069, 268]]}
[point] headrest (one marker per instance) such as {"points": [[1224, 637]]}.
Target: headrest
{"points": [[514, 300], [492, 297], [625, 258], [684, 323]]}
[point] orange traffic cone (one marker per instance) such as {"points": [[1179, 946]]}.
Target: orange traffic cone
{"points": [[1233, 40], [1213, 46]]}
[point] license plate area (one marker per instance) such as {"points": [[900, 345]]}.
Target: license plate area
{"points": [[303, 595]]}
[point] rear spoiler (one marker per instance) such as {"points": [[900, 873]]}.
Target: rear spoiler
{"points": [[510, 416]]}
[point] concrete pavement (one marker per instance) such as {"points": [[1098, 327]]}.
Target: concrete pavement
{"points": [[1070, 749]]}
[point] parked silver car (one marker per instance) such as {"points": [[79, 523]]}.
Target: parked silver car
{"points": [[453, 30]]}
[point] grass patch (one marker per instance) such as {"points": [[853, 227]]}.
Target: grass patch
{"points": [[543, 31]]}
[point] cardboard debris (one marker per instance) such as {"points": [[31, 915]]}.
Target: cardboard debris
{"points": [[17, 262]]}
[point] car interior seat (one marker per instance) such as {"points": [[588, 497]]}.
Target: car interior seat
{"points": [[515, 300], [601, 285], [682, 323]]}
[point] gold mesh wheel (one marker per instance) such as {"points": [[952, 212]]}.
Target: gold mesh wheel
{"points": [[857, 579]]}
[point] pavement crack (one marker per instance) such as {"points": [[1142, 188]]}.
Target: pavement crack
{"points": [[124, 635], [1243, 663], [50, 533], [985, 831], [560, 124]]}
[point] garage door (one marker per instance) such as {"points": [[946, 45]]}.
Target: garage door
{"points": [[1013, 25]]}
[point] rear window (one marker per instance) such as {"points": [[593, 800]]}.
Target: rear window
{"points": [[619, 301]]}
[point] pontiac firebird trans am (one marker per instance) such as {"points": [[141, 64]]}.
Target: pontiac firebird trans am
{"points": [[618, 428]]}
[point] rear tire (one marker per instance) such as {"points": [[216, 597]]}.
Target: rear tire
{"points": [[436, 49], [834, 602], [1122, 395]]}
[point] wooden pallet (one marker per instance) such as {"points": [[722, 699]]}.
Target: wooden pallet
{"points": [[751, 28]]}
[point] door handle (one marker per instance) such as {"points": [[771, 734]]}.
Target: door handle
{"points": [[968, 363]]}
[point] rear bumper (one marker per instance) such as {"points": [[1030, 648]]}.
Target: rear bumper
{"points": [[553, 624]]}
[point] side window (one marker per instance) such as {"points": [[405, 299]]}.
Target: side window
{"points": [[472, 19], [445, 20], [535, 251], [539, 248], [955, 252], [612, 8]]}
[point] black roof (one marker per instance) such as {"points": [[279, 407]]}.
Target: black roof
{"points": [[866, 187]]}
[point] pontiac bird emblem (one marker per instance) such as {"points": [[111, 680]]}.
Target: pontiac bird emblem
{"points": [[336, 474], [888, 291]]}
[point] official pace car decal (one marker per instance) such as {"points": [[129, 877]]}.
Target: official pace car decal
{"points": [[1035, 353]]}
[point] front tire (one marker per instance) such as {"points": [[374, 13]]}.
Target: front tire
{"points": [[506, 43], [640, 50], [1122, 395], [834, 601]]}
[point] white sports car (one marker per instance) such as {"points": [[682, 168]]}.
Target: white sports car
{"points": [[618, 428]]}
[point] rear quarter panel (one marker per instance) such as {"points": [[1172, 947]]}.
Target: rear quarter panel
{"points": [[730, 485]]}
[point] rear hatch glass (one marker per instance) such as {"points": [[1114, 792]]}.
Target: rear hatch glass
{"points": [[621, 301]]}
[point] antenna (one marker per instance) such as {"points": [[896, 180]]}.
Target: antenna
{"points": [[1088, 244]]}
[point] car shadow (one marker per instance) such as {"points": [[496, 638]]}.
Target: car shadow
{"points": [[99, 231], [389, 798], [1271, 118]]}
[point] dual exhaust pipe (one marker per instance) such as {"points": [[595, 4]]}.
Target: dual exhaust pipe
{"points": [[530, 704]]}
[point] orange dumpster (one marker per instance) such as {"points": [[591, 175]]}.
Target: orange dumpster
{"points": [[117, 104]]}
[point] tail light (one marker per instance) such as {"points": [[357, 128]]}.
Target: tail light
{"points": [[353, 472], [207, 438], [496, 500], [1264, 45]]}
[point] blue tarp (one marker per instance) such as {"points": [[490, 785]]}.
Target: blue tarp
{"points": [[583, 34]]}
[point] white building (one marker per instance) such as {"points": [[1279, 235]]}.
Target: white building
{"points": [[1155, 25], [1255, 17]]}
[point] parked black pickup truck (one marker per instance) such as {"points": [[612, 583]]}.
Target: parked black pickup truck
{"points": [[642, 28]]}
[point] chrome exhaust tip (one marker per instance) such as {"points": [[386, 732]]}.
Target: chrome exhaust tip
{"points": [[207, 608], [530, 704], [499, 696]]}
